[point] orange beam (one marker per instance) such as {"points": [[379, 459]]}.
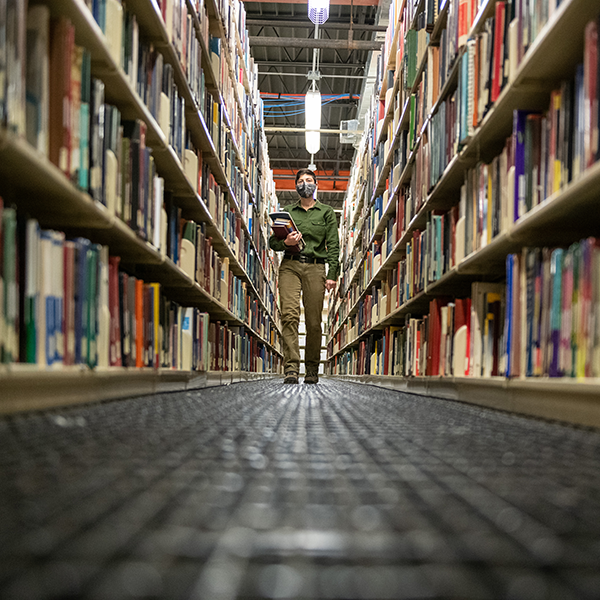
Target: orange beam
{"points": [[324, 186], [320, 173]]}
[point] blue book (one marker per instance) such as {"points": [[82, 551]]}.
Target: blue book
{"points": [[518, 140], [82, 246], [530, 269], [508, 318], [58, 240], [92, 291], [48, 322], [99, 12], [84, 121]]}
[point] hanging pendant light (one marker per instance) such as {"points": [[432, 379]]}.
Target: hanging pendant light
{"points": [[312, 120], [318, 11]]}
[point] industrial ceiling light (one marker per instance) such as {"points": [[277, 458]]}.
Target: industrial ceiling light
{"points": [[318, 11], [312, 120]]}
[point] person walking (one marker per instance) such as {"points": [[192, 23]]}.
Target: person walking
{"points": [[304, 274]]}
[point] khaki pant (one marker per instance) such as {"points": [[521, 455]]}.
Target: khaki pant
{"points": [[307, 280]]}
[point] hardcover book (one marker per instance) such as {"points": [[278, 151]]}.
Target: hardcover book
{"points": [[282, 225]]}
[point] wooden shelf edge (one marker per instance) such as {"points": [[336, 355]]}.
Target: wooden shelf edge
{"points": [[573, 401], [25, 388]]}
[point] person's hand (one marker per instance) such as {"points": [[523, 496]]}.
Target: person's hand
{"points": [[293, 238], [329, 284]]}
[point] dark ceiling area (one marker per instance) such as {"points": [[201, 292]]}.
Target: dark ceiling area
{"points": [[282, 40]]}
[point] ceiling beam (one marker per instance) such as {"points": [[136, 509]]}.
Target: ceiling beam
{"points": [[303, 159], [332, 2], [323, 76], [281, 42], [320, 178], [304, 65], [302, 130], [309, 25]]}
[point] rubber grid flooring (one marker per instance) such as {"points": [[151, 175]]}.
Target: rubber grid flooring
{"points": [[260, 490]]}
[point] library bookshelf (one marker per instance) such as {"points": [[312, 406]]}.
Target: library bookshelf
{"points": [[459, 216], [149, 188]]}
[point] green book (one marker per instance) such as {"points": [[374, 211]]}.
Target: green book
{"points": [[30, 306], [10, 340]]}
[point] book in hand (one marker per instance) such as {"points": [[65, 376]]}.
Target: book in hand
{"points": [[282, 225]]}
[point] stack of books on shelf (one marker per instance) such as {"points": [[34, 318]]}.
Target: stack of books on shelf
{"points": [[137, 237], [472, 253]]}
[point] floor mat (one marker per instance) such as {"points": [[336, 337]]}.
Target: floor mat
{"points": [[262, 490]]}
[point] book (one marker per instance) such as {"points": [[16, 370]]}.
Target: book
{"points": [[13, 48], [104, 318], [282, 225], [62, 42], [37, 77], [114, 356], [69, 284], [498, 57]]}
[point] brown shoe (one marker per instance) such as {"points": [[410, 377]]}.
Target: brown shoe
{"points": [[291, 377], [311, 377]]}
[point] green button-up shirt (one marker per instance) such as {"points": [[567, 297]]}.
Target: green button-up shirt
{"points": [[318, 226]]}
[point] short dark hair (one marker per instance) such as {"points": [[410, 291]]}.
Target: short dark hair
{"points": [[306, 172]]}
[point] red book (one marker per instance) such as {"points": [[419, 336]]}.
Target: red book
{"points": [[462, 317], [498, 58], [464, 23], [590, 93], [434, 331], [62, 45], [139, 323]]}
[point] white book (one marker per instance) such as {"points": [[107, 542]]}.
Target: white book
{"points": [[504, 188], [37, 77], [135, 44], [169, 19], [111, 173], [114, 29], [510, 197], [459, 352], [164, 115], [513, 45], [190, 167], [186, 319], [157, 208], [471, 89]]}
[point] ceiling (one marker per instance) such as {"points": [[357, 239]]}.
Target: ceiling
{"points": [[282, 40]]}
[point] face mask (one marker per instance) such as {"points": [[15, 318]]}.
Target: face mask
{"points": [[306, 190]]}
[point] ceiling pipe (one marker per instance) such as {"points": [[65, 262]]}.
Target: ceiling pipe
{"points": [[280, 42], [304, 24]]}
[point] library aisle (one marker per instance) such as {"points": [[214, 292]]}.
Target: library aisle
{"points": [[260, 490]]}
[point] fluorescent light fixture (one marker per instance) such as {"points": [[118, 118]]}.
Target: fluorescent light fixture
{"points": [[312, 120], [318, 11], [313, 141]]}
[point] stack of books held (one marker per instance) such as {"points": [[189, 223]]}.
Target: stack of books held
{"points": [[282, 226]]}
